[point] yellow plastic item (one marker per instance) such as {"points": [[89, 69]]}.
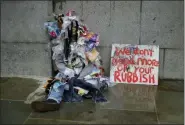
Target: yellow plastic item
{"points": [[81, 92], [92, 55], [45, 85]]}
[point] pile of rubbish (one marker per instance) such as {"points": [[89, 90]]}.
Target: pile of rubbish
{"points": [[80, 71]]}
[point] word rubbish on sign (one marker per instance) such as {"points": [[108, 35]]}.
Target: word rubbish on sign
{"points": [[136, 64]]}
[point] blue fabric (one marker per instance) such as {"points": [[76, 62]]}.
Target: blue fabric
{"points": [[56, 92], [71, 96]]}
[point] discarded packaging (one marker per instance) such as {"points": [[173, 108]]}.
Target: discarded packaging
{"points": [[81, 73]]}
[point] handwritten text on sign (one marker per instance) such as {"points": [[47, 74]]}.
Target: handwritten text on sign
{"points": [[138, 64]]}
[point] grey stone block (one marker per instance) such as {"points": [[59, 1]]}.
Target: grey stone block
{"points": [[126, 22], [64, 6], [23, 21], [25, 59], [105, 53], [174, 64], [115, 21], [96, 14], [161, 63], [50, 8], [59, 7], [163, 23]]}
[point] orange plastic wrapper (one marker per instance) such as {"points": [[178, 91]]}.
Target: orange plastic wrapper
{"points": [[48, 81]]}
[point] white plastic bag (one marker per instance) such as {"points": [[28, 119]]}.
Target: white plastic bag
{"points": [[38, 95], [93, 82], [69, 72], [107, 80], [56, 42], [81, 40], [57, 50], [71, 14], [78, 70], [60, 65]]}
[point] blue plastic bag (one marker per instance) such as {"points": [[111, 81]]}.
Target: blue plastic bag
{"points": [[53, 29]]}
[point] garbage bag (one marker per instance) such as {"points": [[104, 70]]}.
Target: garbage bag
{"points": [[37, 95], [77, 62], [60, 75], [55, 42], [107, 81], [57, 50], [95, 72], [66, 23], [86, 70], [78, 70], [93, 81], [77, 54], [69, 72], [60, 65]]}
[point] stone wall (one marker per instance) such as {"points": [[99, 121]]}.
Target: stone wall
{"points": [[128, 22]]}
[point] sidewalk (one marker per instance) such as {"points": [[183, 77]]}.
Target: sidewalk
{"points": [[128, 104]]}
